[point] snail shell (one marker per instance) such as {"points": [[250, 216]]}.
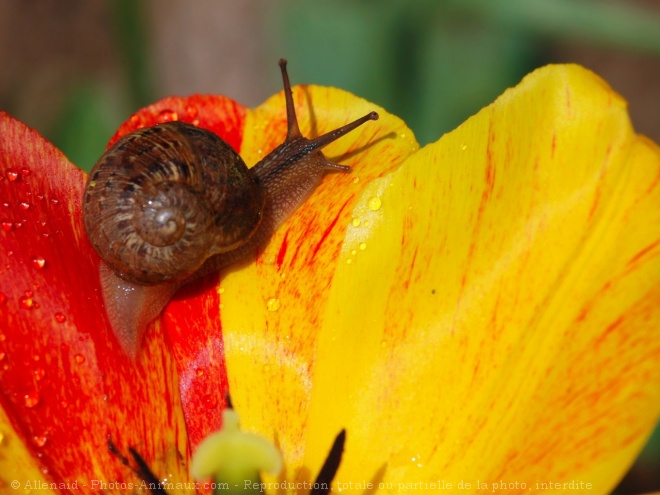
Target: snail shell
{"points": [[168, 204], [150, 213]]}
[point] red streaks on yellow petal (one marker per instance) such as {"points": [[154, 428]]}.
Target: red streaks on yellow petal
{"points": [[501, 322], [273, 310]]}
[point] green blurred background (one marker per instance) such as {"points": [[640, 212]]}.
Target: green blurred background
{"points": [[76, 69]]}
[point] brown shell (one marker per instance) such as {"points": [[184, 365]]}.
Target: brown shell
{"points": [[163, 199]]}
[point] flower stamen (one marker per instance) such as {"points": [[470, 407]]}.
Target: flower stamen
{"points": [[142, 469], [323, 483]]}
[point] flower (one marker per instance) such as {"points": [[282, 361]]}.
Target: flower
{"points": [[484, 310]]}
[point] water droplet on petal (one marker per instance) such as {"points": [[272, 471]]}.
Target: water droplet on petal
{"points": [[26, 302], [79, 358], [24, 205], [2, 337], [374, 203], [3, 355], [356, 222], [168, 116], [349, 261], [39, 374], [40, 441], [363, 246], [38, 262], [210, 401], [12, 175], [31, 399], [7, 226], [273, 304], [463, 146], [54, 201], [356, 179], [354, 252], [192, 111], [59, 317], [199, 372]]}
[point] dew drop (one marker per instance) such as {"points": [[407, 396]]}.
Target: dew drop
{"points": [[367, 223], [354, 252], [221, 290], [39, 374], [273, 304], [40, 441], [31, 399], [168, 116], [3, 355], [92, 183], [38, 262], [210, 401], [54, 201], [199, 372], [363, 246], [26, 302], [192, 111], [356, 179], [7, 226], [349, 261], [59, 317], [356, 222], [374, 203], [2, 337], [463, 146], [24, 205], [12, 175], [79, 358]]}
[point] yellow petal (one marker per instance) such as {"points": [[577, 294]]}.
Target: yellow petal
{"points": [[501, 324], [272, 309]]}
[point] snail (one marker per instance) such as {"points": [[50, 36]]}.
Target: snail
{"points": [[169, 204]]}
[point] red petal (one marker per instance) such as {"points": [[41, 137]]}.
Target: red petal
{"points": [[67, 388], [192, 320], [219, 114]]}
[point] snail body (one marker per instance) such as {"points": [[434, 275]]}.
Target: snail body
{"points": [[168, 204]]}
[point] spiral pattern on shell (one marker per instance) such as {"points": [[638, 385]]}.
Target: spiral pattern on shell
{"points": [[163, 199]]}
